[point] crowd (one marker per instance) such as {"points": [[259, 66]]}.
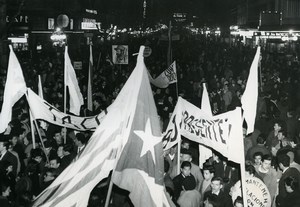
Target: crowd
{"points": [[272, 151]]}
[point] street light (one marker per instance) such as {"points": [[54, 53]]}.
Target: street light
{"points": [[58, 37]]}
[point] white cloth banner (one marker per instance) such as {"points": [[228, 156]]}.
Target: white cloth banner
{"points": [[166, 78], [76, 98], [222, 133], [41, 109], [15, 88]]}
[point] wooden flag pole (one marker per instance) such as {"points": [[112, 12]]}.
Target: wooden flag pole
{"points": [[38, 131], [116, 154], [32, 129], [176, 81], [65, 94], [178, 156]]}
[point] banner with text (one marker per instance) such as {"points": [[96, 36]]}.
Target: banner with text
{"points": [[41, 109], [222, 133]]}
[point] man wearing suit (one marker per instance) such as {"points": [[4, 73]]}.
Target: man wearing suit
{"points": [[8, 156], [284, 165]]}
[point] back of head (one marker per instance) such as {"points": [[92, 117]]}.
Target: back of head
{"points": [[284, 160], [80, 137], [189, 183], [261, 139]]}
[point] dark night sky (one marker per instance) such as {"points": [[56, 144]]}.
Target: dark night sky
{"points": [[129, 12]]}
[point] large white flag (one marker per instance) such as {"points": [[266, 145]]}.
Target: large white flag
{"points": [[222, 133], [15, 88], [166, 78], [73, 186], [249, 98], [76, 99]]}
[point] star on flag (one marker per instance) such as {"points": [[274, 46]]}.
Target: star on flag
{"points": [[149, 140]]}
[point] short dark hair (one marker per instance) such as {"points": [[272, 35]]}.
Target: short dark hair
{"points": [[185, 164], [80, 137], [239, 199], [189, 183], [292, 182], [258, 154], [250, 169], [261, 139], [218, 179], [266, 157], [210, 168], [284, 159], [284, 133], [36, 152]]}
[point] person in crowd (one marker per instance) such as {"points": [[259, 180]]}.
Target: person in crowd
{"points": [[281, 138], [227, 96], [8, 156], [49, 177], [212, 201], [54, 163], [284, 165], [238, 202], [171, 156], [66, 155], [216, 189], [292, 198], [9, 177], [208, 174], [189, 196], [293, 164], [268, 175], [5, 192], [187, 144], [11, 150], [167, 179], [257, 158], [186, 155], [185, 171], [80, 142], [259, 147], [272, 139]]}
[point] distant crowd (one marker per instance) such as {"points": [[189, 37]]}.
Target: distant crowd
{"points": [[272, 151]]}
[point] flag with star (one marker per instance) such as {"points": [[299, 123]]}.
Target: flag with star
{"points": [[128, 138], [140, 166]]}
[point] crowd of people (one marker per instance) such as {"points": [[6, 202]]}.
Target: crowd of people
{"points": [[272, 151]]}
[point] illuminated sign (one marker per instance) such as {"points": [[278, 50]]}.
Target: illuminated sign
{"points": [[23, 19], [90, 25]]}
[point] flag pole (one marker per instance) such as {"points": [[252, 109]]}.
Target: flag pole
{"points": [[37, 129], [65, 94], [176, 81], [243, 181], [169, 56], [178, 157], [32, 129], [117, 156]]}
